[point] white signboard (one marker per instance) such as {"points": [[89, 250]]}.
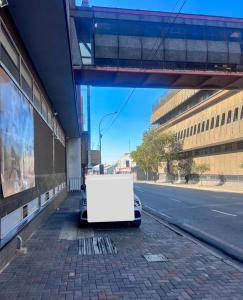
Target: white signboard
{"points": [[110, 198]]}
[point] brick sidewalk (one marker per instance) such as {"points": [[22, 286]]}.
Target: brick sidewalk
{"points": [[54, 269]]}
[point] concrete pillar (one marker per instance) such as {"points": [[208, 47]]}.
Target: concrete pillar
{"points": [[73, 153]]}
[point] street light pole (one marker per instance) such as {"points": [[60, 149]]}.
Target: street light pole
{"points": [[100, 134]]}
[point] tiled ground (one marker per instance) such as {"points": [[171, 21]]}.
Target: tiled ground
{"points": [[53, 268]]}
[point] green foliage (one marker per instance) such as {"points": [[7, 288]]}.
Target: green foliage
{"points": [[157, 147], [200, 168]]}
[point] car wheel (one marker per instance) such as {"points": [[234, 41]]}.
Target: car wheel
{"points": [[136, 223], [82, 223]]}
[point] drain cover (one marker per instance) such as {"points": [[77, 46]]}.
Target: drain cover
{"points": [[96, 245], [155, 257]]}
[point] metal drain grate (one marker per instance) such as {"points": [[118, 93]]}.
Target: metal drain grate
{"points": [[155, 258], [96, 245]]}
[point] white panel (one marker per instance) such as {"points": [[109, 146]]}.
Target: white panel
{"points": [[56, 190], [50, 194], [43, 199], [110, 198], [33, 206], [10, 221]]}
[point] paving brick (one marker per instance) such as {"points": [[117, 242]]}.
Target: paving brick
{"points": [[52, 269]]}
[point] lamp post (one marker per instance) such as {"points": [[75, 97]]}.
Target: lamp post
{"points": [[100, 134]]}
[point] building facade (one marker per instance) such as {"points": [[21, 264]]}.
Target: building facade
{"points": [[39, 121], [209, 124]]}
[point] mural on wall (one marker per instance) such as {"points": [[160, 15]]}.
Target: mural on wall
{"points": [[16, 139]]}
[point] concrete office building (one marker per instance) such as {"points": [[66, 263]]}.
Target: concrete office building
{"points": [[209, 123], [39, 120]]}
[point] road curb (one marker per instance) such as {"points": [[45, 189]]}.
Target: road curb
{"points": [[228, 249], [207, 189]]}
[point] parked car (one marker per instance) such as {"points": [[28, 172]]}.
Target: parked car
{"points": [[137, 211]]}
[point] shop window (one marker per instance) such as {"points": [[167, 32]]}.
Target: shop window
{"points": [[207, 125], [229, 116], [203, 126], [217, 121], [236, 114], [223, 119], [212, 123]]}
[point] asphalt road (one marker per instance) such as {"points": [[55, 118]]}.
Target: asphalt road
{"points": [[215, 217]]}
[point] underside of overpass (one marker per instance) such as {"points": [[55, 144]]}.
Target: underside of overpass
{"points": [[135, 48]]}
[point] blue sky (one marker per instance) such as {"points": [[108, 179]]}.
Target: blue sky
{"points": [[135, 118]]}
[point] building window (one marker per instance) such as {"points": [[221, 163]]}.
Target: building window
{"points": [[191, 130], [198, 127], [212, 123], [236, 114], [223, 119], [207, 125], [203, 126], [217, 121], [241, 113], [229, 117], [184, 134], [26, 80], [195, 129], [187, 132], [9, 54]]}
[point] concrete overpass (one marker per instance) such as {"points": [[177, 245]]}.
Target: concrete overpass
{"points": [[123, 47]]}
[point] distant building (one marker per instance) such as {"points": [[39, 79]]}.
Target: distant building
{"points": [[125, 164], [209, 123]]}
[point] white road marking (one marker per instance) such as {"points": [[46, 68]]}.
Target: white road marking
{"points": [[176, 200], [165, 215], [224, 213]]}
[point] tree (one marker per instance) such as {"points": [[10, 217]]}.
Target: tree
{"points": [[156, 147], [142, 157], [201, 169]]}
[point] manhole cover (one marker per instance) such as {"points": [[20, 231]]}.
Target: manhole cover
{"points": [[155, 257], [96, 245]]}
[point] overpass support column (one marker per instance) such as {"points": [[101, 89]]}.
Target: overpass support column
{"points": [[73, 158]]}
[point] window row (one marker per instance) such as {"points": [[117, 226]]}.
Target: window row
{"points": [[214, 122], [15, 65], [213, 150]]}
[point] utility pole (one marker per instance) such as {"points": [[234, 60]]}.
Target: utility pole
{"points": [[100, 134], [89, 126]]}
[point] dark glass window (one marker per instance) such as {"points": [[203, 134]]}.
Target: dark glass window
{"points": [[236, 114], [203, 126], [217, 121], [198, 127], [191, 130], [195, 129], [241, 113], [212, 123], [184, 134], [207, 125], [229, 116], [223, 119], [187, 132]]}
